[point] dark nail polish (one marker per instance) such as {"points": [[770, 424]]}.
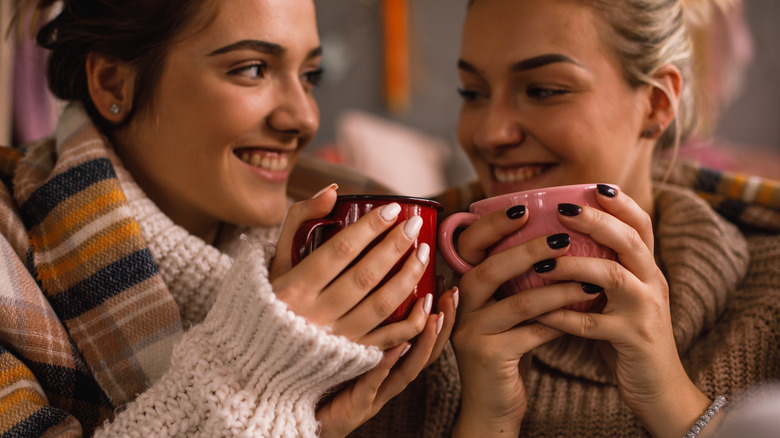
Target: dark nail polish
{"points": [[569, 209], [515, 212], [544, 266], [558, 241], [606, 190], [591, 288]]}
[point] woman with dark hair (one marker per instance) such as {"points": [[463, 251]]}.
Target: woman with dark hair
{"points": [[130, 306]]}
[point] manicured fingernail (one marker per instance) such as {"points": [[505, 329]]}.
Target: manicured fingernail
{"points": [[405, 350], [455, 298], [439, 323], [412, 227], [423, 252], [569, 209], [390, 211], [558, 241], [427, 304], [606, 190], [545, 266], [333, 186], [591, 288], [515, 212]]}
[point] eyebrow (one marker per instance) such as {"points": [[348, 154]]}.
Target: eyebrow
{"points": [[262, 47], [526, 64]]}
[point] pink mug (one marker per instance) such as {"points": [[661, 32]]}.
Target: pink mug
{"points": [[542, 209], [350, 208]]}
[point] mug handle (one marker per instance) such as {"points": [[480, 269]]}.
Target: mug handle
{"points": [[446, 244], [301, 242]]}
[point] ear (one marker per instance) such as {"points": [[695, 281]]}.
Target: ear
{"points": [[663, 99], [111, 86]]}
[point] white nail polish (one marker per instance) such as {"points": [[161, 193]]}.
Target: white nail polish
{"points": [[405, 350], [455, 298], [423, 252], [428, 304], [412, 227], [390, 211], [440, 323], [333, 186]]}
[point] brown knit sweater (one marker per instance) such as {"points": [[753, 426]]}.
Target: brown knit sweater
{"points": [[725, 306]]}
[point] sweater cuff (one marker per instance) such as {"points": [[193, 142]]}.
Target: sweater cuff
{"points": [[287, 360]]}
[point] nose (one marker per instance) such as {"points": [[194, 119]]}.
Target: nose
{"points": [[296, 112], [500, 126]]}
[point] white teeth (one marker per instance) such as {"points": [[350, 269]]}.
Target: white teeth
{"points": [[274, 162], [504, 175]]}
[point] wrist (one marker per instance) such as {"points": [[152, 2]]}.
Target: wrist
{"points": [[676, 411]]}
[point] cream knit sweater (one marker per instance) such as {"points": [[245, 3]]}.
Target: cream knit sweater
{"points": [[248, 366]]}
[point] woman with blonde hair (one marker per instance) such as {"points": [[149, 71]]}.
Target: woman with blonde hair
{"points": [[560, 92]]}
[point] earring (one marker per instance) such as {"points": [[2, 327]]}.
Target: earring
{"points": [[115, 108], [652, 132]]}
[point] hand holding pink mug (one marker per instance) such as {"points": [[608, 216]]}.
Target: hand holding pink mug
{"points": [[542, 208]]}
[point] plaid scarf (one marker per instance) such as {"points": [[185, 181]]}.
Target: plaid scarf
{"points": [[97, 325]]}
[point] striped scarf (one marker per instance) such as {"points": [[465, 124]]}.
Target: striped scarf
{"points": [[88, 256]]}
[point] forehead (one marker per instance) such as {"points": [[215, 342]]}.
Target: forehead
{"points": [[509, 31], [286, 22]]}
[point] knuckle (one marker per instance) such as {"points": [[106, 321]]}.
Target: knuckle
{"points": [[636, 244], [485, 272], [520, 304], [588, 323], [365, 279], [343, 248], [382, 305], [617, 273]]}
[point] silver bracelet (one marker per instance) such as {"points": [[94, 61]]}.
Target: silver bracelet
{"points": [[706, 417]]}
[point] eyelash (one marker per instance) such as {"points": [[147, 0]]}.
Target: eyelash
{"points": [[314, 77], [535, 93], [260, 67]]}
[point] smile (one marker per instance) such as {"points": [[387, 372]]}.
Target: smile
{"points": [[264, 159], [515, 174]]}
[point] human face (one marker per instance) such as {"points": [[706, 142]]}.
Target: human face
{"points": [[545, 101], [231, 113]]}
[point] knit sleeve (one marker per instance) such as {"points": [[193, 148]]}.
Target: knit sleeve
{"points": [[251, 368]]}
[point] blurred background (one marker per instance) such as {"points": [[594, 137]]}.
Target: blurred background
{"points": [[389, 103]]}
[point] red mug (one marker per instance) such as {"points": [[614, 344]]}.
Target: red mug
{"points": [[348, 210], [542, 208]]}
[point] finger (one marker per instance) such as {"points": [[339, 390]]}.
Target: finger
{"points": [[527, 305], [325, 263], [586, 325], [632, 252], [609, 276], [352, 286], [482, 281], [484, 233], [505, 346], [627, 210], [413, 362], [394, 334], [368, 385], [447, 306], [317, 206]]}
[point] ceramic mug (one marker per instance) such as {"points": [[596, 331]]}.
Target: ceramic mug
{"points": [[348, 209], [542, 210]]}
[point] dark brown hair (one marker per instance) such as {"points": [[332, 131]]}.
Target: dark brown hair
{"points": [[138, 32]]}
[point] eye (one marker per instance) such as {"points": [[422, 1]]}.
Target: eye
{"points": [[314, 77], [256, 70], [470, 95], [541, 93]]}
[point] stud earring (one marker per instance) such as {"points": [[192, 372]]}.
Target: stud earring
{"points": [[115, 108], [652, 132]]}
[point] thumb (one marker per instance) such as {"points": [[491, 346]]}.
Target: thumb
{"points": [[315, 207]]}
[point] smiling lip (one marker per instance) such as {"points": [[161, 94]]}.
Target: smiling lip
{"points": [[514, 174], [273, 165]]}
